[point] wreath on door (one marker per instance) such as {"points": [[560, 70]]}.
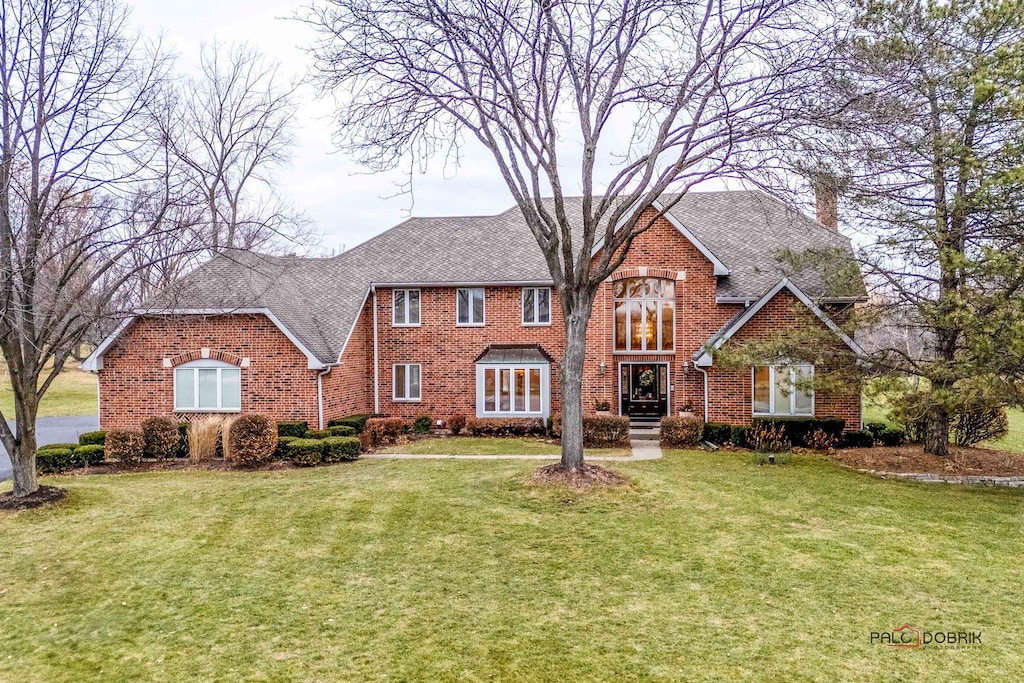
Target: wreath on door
{"points": [[646, 379]]}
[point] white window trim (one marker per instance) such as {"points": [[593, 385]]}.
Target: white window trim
{"points": [[536, 307], [792, 395], [545, 390], [206, 364], [659, 300], [394, 383], [394, 310], [483, 294]]}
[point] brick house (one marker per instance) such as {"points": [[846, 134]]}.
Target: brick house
{"points": [[456, 315]]}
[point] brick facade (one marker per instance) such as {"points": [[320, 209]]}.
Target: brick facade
{"points": [[134, 384]]}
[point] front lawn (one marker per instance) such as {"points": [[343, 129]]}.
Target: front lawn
{"points": [[72, 393], [476, 445], [708, 568]]}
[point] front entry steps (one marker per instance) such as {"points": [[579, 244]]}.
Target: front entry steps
{"points": [[644, 430]]}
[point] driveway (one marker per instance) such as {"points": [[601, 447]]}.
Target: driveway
{"points": [[52, 430]]}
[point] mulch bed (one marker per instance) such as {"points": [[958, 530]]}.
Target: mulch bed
{"points": [[580, 478], [912, 458], [44, 495]]}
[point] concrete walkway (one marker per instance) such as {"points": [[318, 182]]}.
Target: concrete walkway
{"points": [[642, 450]]}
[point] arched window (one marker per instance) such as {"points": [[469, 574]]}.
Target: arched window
{"points": [[644, 314], [207, 386]]}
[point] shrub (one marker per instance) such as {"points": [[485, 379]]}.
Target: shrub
{"points": [[89, 455], [858, 439], [769, 437], [317, 434], [875, 428], [296, 428], [124, 446], [160, 438], [92, 438], [251, 440], [57, 446], [796, 430], [423, 424], [306, 452], [356, 422], [681, 432], [456, 423], [381, 431], [204, 436], [820, 440], [281, 450], [339, 448], [892, 436], [981, 423], [182, 451], [739, 436], [599, 431], [54, 460], [342, 430], [716, 433]]}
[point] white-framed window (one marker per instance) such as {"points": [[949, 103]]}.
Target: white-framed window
{"points": [[783, 390], [469, 306], [207, 386], [536, 305], [405, 307], [406, 384], [644, 314], [513, 390]]}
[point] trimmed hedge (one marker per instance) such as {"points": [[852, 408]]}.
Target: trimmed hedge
{"points": [[423, 424], [875, 428], [96, 438], [716, 433], [341, 448], [381, 431], [681, 432], [342, 430], [456, 423], [296, 428], [89, 455], [599, 431], [317, 434], [892, 436], [797, 429], [252, 440], [857, 439], [305, 452], [356, 422], [491, 426], [160, 438], [54, 460], [281, 450], [57, 446], [124, 446]]}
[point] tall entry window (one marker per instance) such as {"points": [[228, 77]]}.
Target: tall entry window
{"points": [[644, 314]]}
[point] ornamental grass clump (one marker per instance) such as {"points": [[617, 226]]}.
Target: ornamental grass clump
{"points": [[204, 435]]}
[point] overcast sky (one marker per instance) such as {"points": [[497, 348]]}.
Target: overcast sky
{"points": [[347, 204]]}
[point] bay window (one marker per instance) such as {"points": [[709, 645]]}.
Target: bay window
{"points": [[783, 390], [513, 390], [207, 386]]}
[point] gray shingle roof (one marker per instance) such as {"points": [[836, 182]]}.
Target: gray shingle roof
{"points": [[319, 299]]}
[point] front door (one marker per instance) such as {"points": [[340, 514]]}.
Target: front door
{"points": [[644, 390]]}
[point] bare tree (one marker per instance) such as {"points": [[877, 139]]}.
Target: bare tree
{"points": [[84, 188], [232, 127], [675, 92]]}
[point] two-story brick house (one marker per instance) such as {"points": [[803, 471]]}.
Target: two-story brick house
{"points": [[456, 315]]}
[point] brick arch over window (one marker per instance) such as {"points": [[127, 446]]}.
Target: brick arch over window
{"points": [[190, 356], [658, 273]]}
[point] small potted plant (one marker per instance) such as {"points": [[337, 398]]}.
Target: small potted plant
{"points": [[686, 410], [602, 408]]}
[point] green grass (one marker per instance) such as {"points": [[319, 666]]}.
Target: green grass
{"points": [[877, 411], [72, 393], [474, 445], [709, 568]]}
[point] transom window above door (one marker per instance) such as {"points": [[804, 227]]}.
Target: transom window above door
{"points": [[469, 306], [405, 309], [644, 314]]}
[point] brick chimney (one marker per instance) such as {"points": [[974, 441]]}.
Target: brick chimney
{"points": [[826, 195]]}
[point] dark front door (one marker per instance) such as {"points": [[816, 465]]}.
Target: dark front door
{"points": [[644, 390]]}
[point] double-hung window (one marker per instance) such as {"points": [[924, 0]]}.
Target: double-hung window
{"points": [[207, 386], [536, 305], [783, 390], [405, 308], [407, 385], [469, 306]]}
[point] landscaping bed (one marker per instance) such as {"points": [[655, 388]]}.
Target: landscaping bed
{"points": [[912, 458], [489, 445]]}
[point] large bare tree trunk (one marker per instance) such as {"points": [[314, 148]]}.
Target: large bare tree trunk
{"points": [[22, 447], [936, 436], [572, 383]]}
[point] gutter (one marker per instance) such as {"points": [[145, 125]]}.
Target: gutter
{"points": [[705, 373], [376, 370], [320, 395]]}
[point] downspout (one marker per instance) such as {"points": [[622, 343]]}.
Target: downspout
{"points": [[376, 371], [320, 395], [705, 373]]}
